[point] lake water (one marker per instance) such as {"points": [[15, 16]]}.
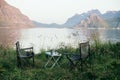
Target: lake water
{"points": [[9, 36], [51, 38]]}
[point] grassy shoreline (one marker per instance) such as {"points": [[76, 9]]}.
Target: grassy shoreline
{"points": [[105, 65]]}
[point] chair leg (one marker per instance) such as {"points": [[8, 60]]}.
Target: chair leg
{"points": [[84, 63], [33, 62], [18, 62], [81, 65], [72, 65], [71, 62]]}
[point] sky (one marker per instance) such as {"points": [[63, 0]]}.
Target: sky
{"points": [[58, 11]]}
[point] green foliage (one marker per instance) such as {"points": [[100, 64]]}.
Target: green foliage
{"points": [[105, 65], [66, 49]]}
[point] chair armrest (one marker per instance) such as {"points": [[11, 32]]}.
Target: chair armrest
{"points": [[27, 48], [69, 54], [30, 53]]}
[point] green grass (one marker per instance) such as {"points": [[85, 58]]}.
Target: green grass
{"points": [[105, 65]]}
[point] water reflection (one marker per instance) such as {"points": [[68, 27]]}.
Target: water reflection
{"points": [[50, 38], [112, 35], [8, 36], [47, 38]]}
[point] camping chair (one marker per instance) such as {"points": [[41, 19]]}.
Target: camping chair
{"points": [[84, 54], [25, 53]]}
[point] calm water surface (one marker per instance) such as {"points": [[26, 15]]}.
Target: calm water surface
{"points": [[8, 36], [50, 38]]}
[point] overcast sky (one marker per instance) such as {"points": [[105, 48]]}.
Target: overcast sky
{"points": [[58, 11]]}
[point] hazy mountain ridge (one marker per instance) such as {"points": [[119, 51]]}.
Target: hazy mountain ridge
{"points": [[110, 19], [53, 25], [71, 22], [79, 17], [12, 17], [92, 21]]}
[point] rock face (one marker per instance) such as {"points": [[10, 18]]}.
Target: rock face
{"points": [[12, 17], [74, 20], [92, 21]]}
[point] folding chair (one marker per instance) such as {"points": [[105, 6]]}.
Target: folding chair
{"points": [[24, 53], [53, 59], [84, 54]]}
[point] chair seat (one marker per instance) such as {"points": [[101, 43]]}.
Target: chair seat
{"points": [[25, 56], [83, 56], [75, 57]]}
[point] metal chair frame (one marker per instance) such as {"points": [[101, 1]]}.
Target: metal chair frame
{"points": [[81, 58], [23, 53]]}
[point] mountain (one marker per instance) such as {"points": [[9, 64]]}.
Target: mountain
{"points": [[72, 21], [12, 17], [112, 18], [92, 21], [53, 25], [79, 17]]}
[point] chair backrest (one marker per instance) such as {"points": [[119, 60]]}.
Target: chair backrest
{"points": [[23, 51], [84, 49], [17, 48]]}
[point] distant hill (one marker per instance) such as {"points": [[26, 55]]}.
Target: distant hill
{"points": [[112, 18], [91, 19], [94, 19], [12, 17], [53, 25], [74, 20]]}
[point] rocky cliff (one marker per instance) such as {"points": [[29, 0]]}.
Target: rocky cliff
{"points": [[12, 17], [92, 21]]}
